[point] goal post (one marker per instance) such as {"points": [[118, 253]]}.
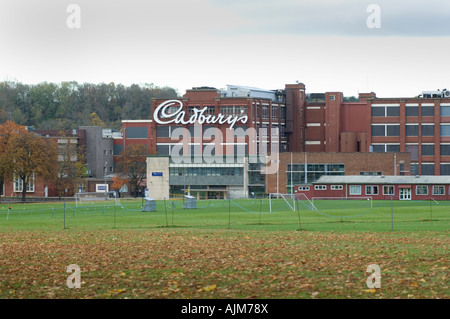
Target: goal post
{"points": [[289, 199], [94, 197]]}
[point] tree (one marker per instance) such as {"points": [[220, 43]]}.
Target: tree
{"points": [[7, 131], [132, 166], [71, 168], [118, 182], [96, 120], [32, 156]]}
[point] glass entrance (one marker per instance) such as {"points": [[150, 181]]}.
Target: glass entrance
{"points": [[405, 194]]}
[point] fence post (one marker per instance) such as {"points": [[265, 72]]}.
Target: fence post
{"points": [[392, 214], [229, 211], [64, 215], [114, 215]]}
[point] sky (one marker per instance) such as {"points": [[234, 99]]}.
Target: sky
{"points": [[394, 48]]}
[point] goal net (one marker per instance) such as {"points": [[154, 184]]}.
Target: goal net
{"points": [[95, 198], [278, 201]]}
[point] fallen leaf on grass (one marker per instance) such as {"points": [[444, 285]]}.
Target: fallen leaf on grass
{"points": [[370, 291], [207, 288]]}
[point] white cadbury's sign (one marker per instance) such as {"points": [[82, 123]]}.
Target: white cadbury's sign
{"points": [[171, 111]]}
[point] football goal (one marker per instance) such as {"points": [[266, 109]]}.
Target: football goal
{"points": [[95, 198], [278, 201]]}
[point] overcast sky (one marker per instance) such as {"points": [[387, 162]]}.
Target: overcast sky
{"points": [[326, 44]]}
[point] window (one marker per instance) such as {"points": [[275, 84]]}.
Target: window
{"points": [[117, 149], [393, 130], [355, 189], [379, 148], [385, 110], [320, 187], [378, 111], [283, 112], [337, 187], [18, 184], [388, 190], [136, 132], [414, 169], [412, 111], [230, 110], [414, 150], [161, 131], [427, 110], [332, 97], [282, 131], [303, 188], [378, 130], [427, 130], [438, 190], [421, 190], [427, 169], [445, 149], [372, 190], [393, 111], [162, 149], [312, 172], [265, 112], [394, 148], [370, 173], [274, 112], [275, 132], [445, 168], [445, 110], [445, 130], [427, 149], [412, 130], [385, 130]]}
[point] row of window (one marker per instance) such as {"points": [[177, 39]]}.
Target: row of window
{"points": [[394, 110], [206, 171], [265, 112], [389, 190], [374, 189], [426, 129], [321, 187], [425, 149]]}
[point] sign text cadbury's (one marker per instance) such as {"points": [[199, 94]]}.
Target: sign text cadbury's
{"points": [[161, 116]]}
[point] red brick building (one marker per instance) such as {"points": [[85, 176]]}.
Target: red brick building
{"points": [[416, 125], [381, 187]]}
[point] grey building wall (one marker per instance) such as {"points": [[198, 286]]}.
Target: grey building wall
{"points": [[99, 149]]}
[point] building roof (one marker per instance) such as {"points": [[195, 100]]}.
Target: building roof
{"points": [[381, 179]]}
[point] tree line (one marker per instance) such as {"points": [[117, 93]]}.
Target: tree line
{"points": [[70, 104]]}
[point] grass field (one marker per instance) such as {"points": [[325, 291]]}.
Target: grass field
{"points": [[225, 249]]}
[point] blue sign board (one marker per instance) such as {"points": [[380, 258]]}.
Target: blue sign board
{"points": [[157, 174]]}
